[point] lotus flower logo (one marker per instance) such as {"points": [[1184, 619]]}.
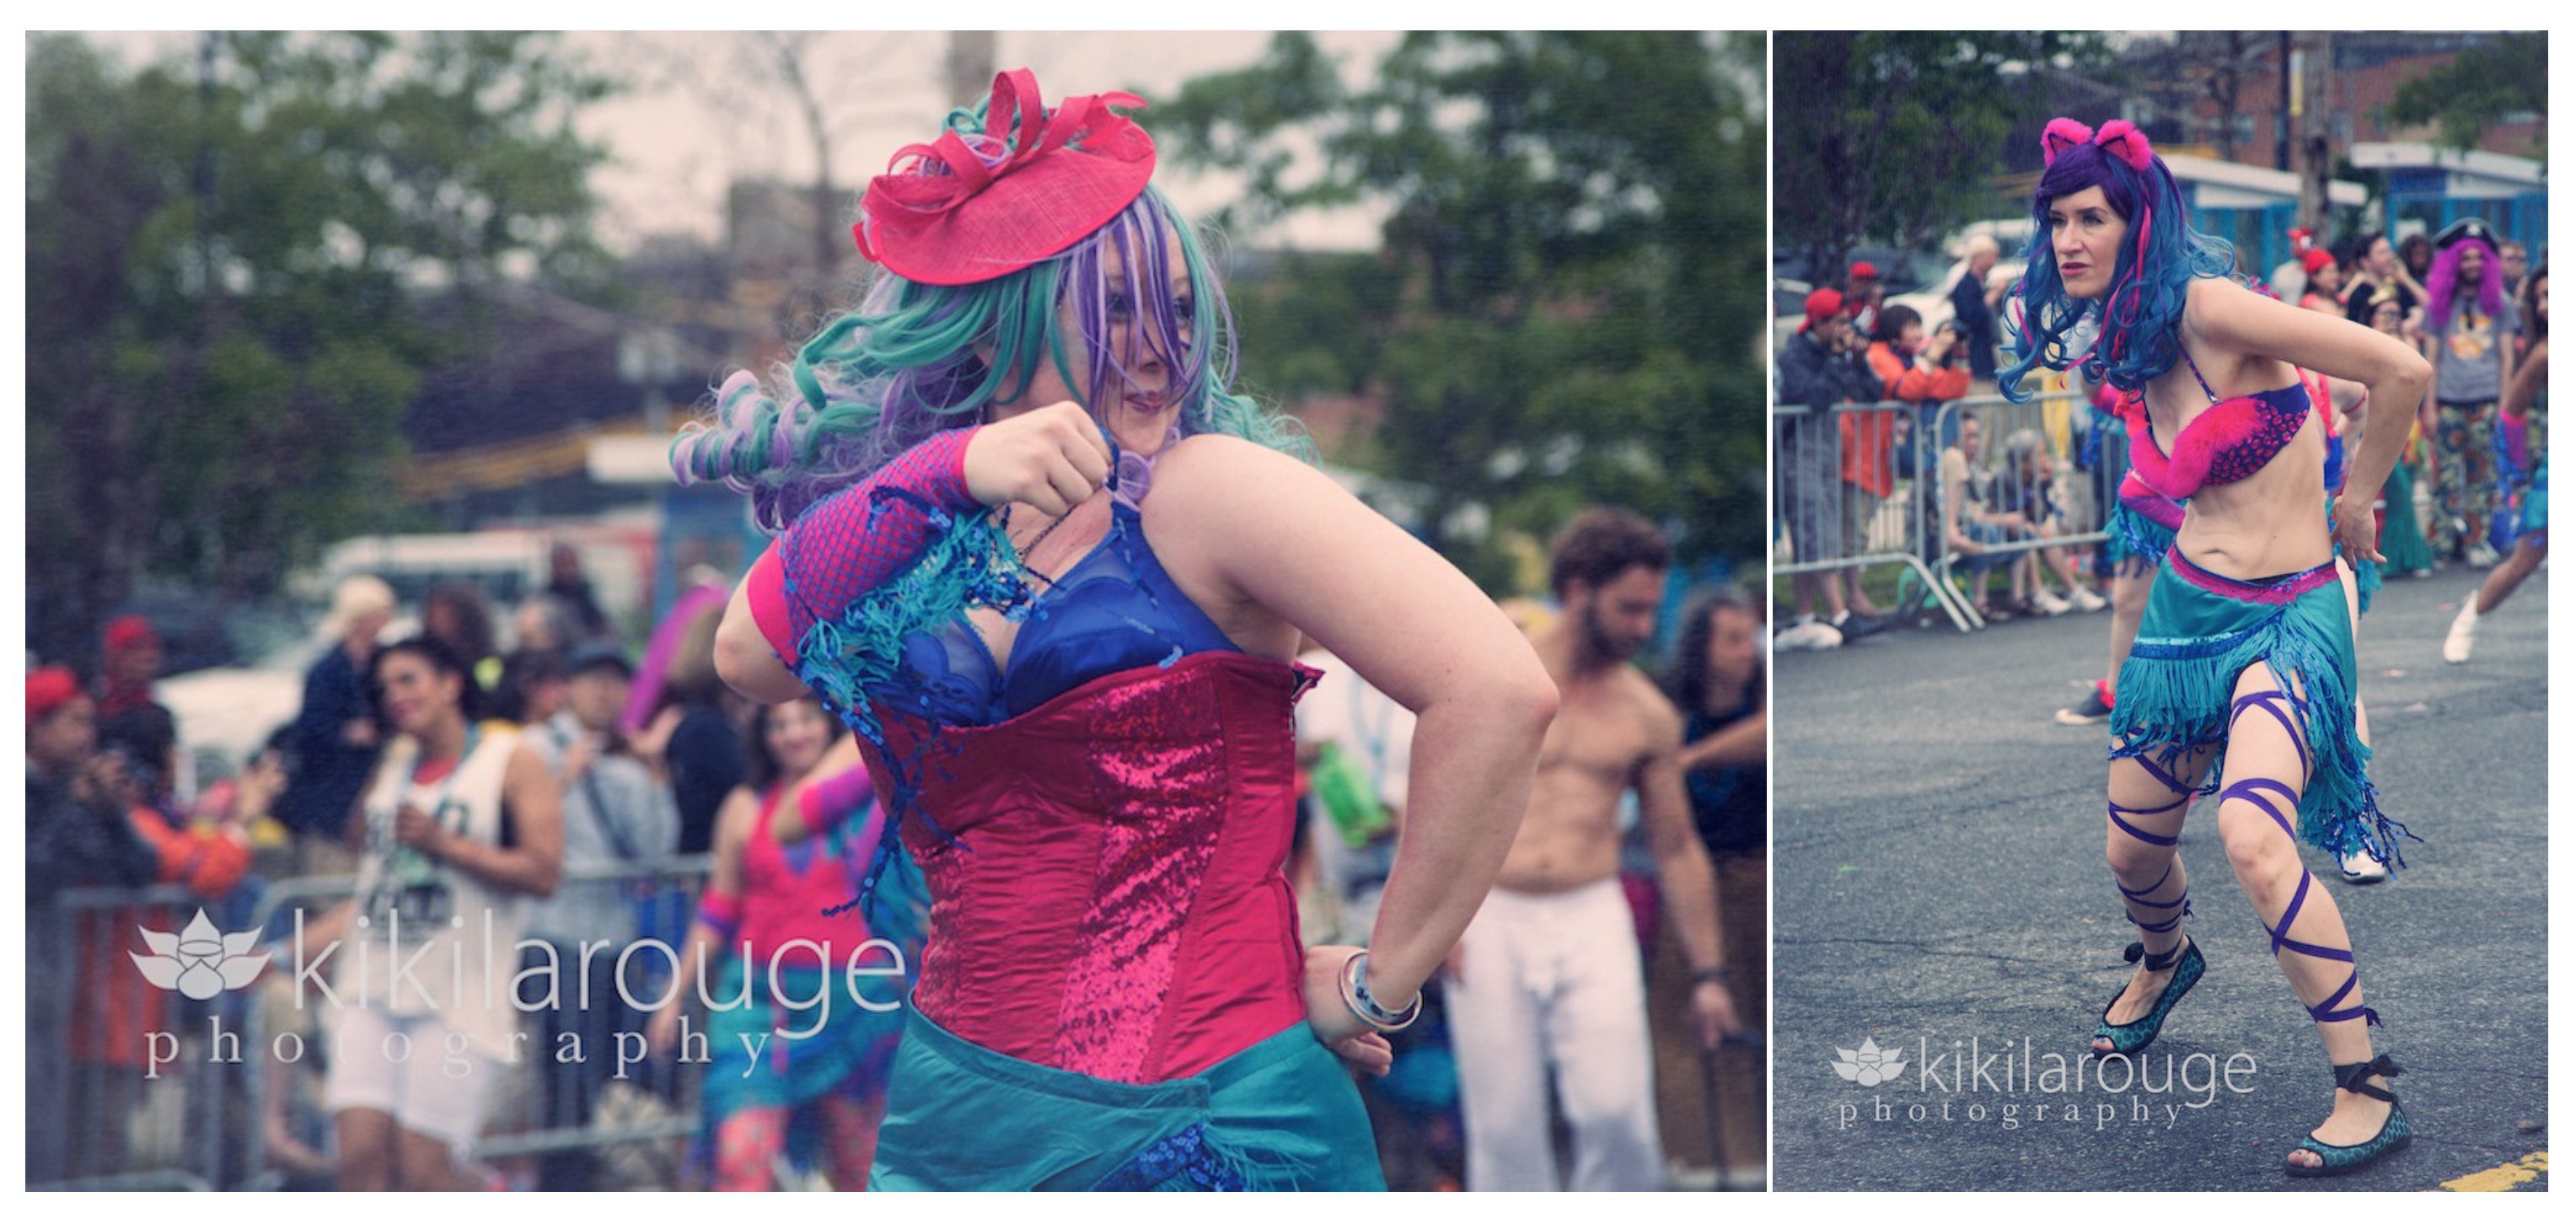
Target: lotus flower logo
{"points": [[1869, 1066], [200, 962]]}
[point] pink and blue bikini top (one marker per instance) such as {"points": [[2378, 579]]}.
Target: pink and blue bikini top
{"points": [[2230, 441]]}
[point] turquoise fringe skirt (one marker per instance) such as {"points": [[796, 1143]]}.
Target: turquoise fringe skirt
{"points": [[1280, 1115], [2200, 632]]}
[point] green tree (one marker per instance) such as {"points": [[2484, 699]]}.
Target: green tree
{"points": [[1567, 304], [227, 262], [2477, 90], [1896, 135]]}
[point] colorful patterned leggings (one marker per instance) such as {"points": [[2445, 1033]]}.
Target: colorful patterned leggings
{"points": [[2464, 478]]}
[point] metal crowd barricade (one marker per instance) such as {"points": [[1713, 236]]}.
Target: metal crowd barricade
{"points": [[1831, 529], [199, 1119]]}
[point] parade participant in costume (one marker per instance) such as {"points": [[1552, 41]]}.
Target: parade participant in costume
{"points": [[463, 824], [1052, 571], [2242, 679], [2469, 329], [2529, 392], [820, 1083]]}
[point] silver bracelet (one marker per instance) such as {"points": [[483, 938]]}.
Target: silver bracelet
{"points": [[1356, 997]]}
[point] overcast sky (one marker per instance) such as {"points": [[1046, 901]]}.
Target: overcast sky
{"points": [[702, 112]]}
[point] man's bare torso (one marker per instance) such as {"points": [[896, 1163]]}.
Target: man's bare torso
{"points": [[1605, 732]]}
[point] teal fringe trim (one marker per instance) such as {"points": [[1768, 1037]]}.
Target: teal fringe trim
{"points": [[2135, 538], [969, 564], [2174, 695], [2366, 581]]}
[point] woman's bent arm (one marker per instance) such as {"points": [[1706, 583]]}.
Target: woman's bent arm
{"points": [[1282, 537]]}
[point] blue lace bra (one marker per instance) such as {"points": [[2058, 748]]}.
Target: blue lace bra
{"points": [[1113, 609]]}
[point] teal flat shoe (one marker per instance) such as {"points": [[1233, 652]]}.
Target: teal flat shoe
{"points": [[2394, 1134], [2135, 1035]]}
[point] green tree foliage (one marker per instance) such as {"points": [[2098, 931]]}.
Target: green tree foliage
{"points": [[1567, 305], [1896, 135], [227, 260], [2508, 76]]}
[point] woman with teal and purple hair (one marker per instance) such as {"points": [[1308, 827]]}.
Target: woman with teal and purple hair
{"points": [[1075, 694], [2242, 675]]}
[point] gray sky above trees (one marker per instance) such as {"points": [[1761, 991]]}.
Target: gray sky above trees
{"points": [[676, 149]]}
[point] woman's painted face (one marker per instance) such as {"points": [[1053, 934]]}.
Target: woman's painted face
{"points": [[2085, 235], [796, 735]]}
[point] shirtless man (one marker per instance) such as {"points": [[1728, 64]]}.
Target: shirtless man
{"points": [[1549, 975]]}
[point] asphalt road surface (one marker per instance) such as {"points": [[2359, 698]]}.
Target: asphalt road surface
{"points": [[1939, 878]]}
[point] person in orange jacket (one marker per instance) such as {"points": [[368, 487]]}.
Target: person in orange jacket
{"points": [[1878, 447]]}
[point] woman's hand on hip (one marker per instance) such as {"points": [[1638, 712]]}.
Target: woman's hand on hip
{"points": [[1334, 1023], [2356, 532], [1052, 458]]}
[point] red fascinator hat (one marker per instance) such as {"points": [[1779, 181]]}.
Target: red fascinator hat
{"points": [[968, 208]]}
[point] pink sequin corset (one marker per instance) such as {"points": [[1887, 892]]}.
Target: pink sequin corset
{"points": [[2229, 441], [1113, 902]]}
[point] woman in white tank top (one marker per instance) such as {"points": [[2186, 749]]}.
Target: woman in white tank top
{"points": [[464, 824]]}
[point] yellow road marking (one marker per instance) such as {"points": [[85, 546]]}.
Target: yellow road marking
{"points": [[2505, 1176]]}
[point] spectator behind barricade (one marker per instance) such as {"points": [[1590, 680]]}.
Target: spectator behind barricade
{"points": [[115, 1007], [617, 811], [1972, 307], [129, 720], [1863, 294], [1971, 523], [1821, 366], [334, 741], [541, 622], [571, 587], [2516, 259], [2031, 495], [1923, 374], [77, 837], [2377, 278], [458, 616]]}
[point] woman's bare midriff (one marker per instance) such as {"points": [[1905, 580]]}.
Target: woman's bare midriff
{"points": [[2268, 524]]}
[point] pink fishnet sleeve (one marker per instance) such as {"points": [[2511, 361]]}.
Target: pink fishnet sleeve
{"points": [[856, 539]]}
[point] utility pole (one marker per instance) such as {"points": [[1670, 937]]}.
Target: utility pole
{"points": [[2312, 114], [971, 55]]}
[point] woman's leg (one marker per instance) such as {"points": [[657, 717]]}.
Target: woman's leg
{"points": [[429, 1163], [2528, 552], [748, 1142], [2143, 825], [366, 1147], [850, 1126], [2258, 806]]}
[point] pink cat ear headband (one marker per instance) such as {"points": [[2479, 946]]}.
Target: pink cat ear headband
{"points": [[2119, 138]]}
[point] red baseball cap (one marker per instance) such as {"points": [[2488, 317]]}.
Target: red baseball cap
{"points": [[50, 689], [973, 207], [2314, 258], [129, 633], [1823, 304], [1864, 270]]}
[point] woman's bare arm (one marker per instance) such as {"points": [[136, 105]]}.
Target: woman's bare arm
{"points": [[1282, 536], [534, 864]]}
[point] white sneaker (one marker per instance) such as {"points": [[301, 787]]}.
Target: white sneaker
{"points": [[2086, 601], [2047, 601], [2362, 869], [2464, 632], [1809, 635], [2481, 556]]}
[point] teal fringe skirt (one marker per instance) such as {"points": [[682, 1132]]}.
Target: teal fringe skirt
{"points": [[1280, 1115], [2200, 632]]}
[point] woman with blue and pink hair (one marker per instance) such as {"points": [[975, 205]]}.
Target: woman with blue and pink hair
{"points": [[1052, 571], [2241, 681]]}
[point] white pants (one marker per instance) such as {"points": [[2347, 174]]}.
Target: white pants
{"points": [[1554, 980], [414, 1068]]}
